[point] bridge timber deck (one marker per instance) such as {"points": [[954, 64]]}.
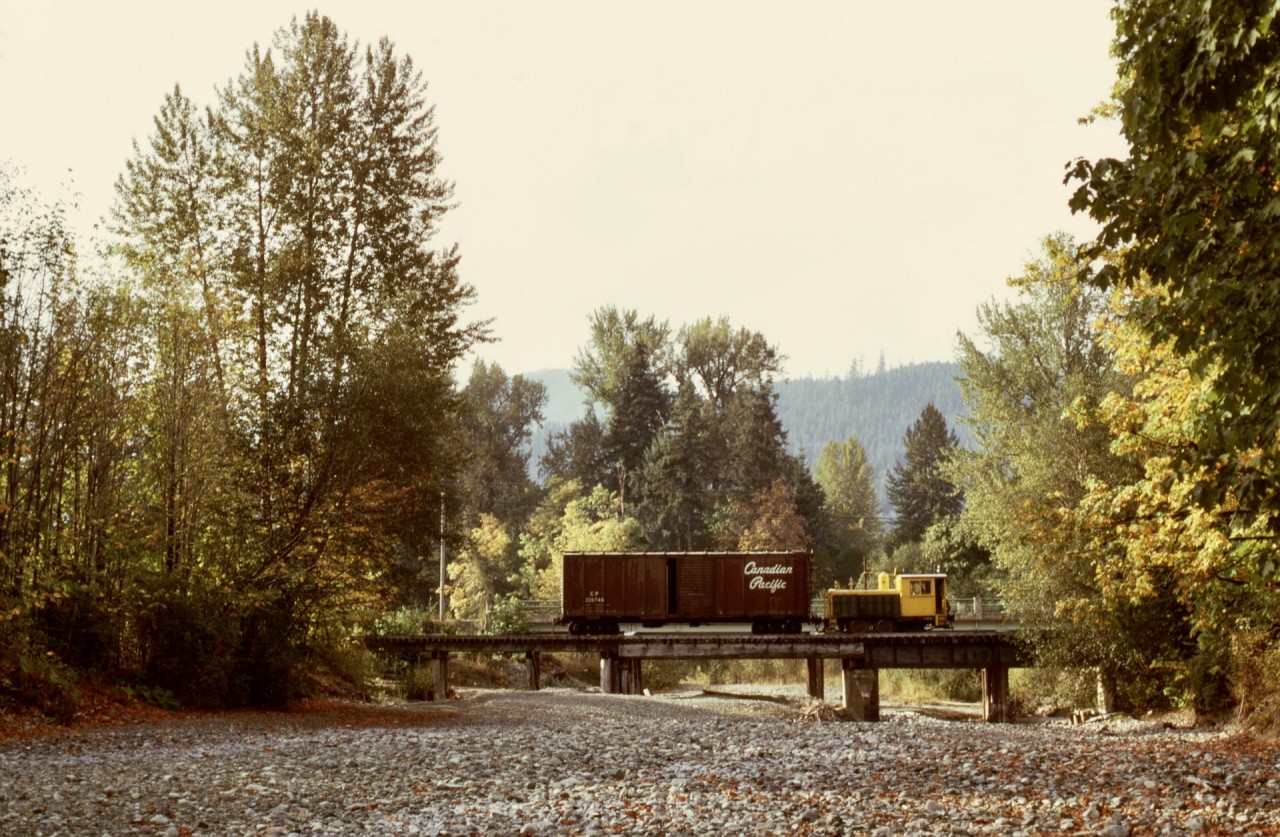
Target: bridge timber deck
{"points": [[861, 657]]}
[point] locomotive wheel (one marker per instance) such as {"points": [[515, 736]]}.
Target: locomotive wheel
{"points": [[885, 626], [858, 626]]}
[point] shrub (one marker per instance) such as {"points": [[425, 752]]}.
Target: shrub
{"points": [[506, 616]]}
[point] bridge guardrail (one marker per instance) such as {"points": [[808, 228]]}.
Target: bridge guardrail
{"points": [[540, 611], [976, 607]]}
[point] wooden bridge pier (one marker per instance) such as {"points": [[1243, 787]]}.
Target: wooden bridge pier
{"points": [[817, 678], [439, 676], [995, 694], [533, 670], [620, 676]]}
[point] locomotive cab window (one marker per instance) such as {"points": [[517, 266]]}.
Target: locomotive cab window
{"points": [[922, 587]]}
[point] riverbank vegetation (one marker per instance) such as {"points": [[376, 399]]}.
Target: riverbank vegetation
{"points": [[240, 437]]}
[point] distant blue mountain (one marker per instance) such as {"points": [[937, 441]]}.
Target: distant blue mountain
{"points": [[566, 403]]}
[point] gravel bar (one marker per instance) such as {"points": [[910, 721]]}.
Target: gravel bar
{"points": [[568, 762]]}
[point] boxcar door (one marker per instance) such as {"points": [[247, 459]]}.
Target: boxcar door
{"points": [[695, 593]]}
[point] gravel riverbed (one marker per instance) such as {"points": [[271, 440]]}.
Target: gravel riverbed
{"points": [[567, 762]]}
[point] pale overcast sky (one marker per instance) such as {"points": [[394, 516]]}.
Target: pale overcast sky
{"points": [[848, 178]]}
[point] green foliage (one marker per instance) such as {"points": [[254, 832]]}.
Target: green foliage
{"points": [[497, 420], [721, 361], [188, 647], [1034, 381], [694, 467], [1053, 689], [675, 500], [506, 616], [874, 408], [33, 676], [571, 521], [156, 696], [417, 683], [237, 440], [405, 621], [918, 487], [1192, 211], [852, 509], [623, 368], [482, 570], [1190, 214], [78, 627], [716, 672]]}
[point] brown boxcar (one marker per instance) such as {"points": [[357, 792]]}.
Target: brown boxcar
{"points": [[602, 590]]}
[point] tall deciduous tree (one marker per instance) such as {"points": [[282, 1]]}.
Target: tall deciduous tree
{"points": [[918, 487], [1033, 382], [499, 416], [285, 236], [70, 521], [853, 513], [1159, 546], [1192, 209], [721, 360]]}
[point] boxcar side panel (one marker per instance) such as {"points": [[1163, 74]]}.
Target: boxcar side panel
{"points": [[774, 585], [645, 593], [614, 586], [693, 587]]}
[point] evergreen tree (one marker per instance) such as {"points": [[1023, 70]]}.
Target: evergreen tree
{"points": [[578, 453], [757, 447], [676, 496], [623, 368], [918, 486]]}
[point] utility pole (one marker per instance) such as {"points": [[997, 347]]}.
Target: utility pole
{"points": [[442, 571]]}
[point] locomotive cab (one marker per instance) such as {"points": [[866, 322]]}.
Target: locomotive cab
{"points": [[924, 597]]}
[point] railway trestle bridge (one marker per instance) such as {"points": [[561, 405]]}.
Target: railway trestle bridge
{"points": [[861, 657]]}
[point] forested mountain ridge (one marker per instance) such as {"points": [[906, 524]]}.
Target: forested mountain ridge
{"points": [[877, 408]]}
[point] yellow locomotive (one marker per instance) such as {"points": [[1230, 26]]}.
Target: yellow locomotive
{"points": [[900, 602]]}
